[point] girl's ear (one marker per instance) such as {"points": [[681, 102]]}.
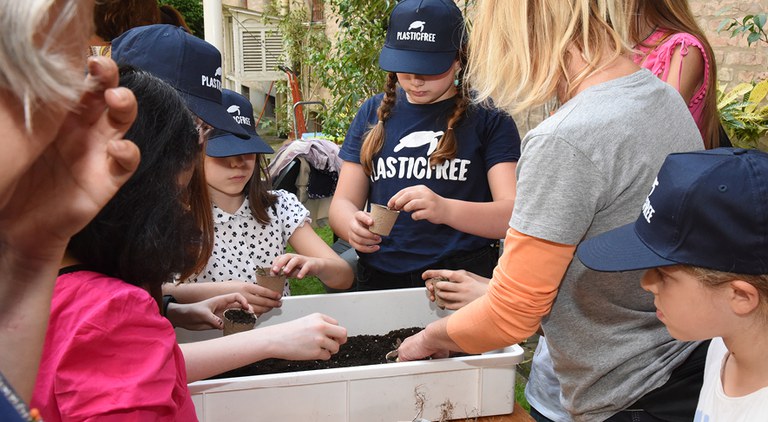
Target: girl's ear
{"points": [[744, 297]]}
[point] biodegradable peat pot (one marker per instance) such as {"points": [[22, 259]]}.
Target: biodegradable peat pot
{"points": [[237, 320], [433, 281], [264, 278], [383, 219]]}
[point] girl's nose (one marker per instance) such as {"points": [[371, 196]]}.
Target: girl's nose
{"points": [[236, 161]]}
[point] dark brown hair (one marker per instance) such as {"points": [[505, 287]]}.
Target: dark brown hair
{"points": [[200, 204], [260, 199], [113, 17]]}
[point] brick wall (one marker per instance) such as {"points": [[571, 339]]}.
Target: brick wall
{"points": [[736, 62]]}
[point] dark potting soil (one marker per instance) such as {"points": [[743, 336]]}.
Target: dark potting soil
{"points": [[357, 351], [239, 316]]}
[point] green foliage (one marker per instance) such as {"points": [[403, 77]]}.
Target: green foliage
{"points": [[300, 38], [751, 25], [311, 285], [349, 68], [520, 394], [192, 10], [743, 109], [744, 114]]}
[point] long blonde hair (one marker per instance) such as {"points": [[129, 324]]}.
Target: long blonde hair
{"points": [[674, 16], [519, 50], [40, 69]]}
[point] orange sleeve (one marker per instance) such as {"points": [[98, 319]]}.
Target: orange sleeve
{"points": [[521, 292]]}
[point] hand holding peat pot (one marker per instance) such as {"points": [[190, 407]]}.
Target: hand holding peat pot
{"points": [[460, 287], [237, 320], [432, 286], [383, 219], [274, 282]]}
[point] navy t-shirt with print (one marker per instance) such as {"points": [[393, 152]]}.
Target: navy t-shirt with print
{"points": [[485, 137]]}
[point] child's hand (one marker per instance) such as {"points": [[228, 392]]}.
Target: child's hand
{"points": [[297, 266], [421, 202], [205, 314], [360, 235], [260, 299], [315, 336], [462, 288]]}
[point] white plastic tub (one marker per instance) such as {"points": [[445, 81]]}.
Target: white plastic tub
{"points": [[461, 387]]}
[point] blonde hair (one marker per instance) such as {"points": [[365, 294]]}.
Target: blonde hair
{"points": [[519, 50], [36, 66], [674, 16], [714, 279]]}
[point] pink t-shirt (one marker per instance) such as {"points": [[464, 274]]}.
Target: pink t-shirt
{"points": [[109, 356], [658, 60]]}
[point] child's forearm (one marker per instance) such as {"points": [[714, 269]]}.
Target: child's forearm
{"points": [[485, 219], [336, 273]]}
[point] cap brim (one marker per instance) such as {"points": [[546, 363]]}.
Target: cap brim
{"points": [[619, 249], [214, 114], [416, 62], [227, 145]]}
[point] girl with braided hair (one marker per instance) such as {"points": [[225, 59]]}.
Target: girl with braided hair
{"points": [[424, 148]]}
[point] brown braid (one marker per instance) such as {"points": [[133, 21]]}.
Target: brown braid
{"points": [[446, 146], [374, 139]]}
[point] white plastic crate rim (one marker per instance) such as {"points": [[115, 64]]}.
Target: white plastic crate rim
{"points": [[454, 388]]}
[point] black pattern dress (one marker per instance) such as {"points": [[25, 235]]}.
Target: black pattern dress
{"points": [[242, 244]]}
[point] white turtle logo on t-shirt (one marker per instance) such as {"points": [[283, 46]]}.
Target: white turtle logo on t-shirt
{"points": [[419, 139]]}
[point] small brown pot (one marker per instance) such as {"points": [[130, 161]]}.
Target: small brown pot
{"points": [[433, 281], [264, 278], [237, 320], [383, 219]]}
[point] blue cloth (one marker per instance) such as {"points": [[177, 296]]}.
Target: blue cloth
{"points": [[12, 408], [486, 137]]}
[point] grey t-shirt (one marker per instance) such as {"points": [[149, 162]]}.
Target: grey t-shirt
{"points": [[583, 171]]}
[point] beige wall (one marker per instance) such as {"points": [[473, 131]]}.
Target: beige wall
{"points": [[736, 61]]}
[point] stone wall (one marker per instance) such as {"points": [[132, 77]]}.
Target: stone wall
{"points": [[736, 62]]}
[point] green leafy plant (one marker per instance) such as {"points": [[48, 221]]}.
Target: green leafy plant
{"points": [[301, 37], [744, 114], [192, 10], [349, 68], [751, 25], [743, 109]]}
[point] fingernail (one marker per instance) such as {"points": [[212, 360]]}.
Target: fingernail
{"points": [[119, 92], [94, 67]]}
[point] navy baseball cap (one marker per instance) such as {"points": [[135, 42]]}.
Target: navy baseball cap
{"points": [[224, 144], [706, 209], [423, 37], [187, 63]]}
